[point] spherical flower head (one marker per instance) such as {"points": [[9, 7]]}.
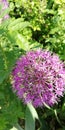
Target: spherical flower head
{"points": [[39, 78]]}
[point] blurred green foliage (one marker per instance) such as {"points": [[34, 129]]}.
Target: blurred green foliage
{"points": [[47, 22], [32, 25]]}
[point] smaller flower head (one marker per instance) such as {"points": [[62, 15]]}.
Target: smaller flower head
{"points": [[4, 3]]}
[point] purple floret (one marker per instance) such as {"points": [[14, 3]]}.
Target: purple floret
{"points": [[39, 77]]}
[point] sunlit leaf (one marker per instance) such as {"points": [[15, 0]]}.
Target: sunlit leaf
{"points": [[16, 127]]}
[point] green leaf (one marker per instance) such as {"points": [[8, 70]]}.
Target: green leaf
{"points": [[2, 31], [63, 128], [44, 125], [3, 122], [3, 75], [7, 60], [22, 42], [2, 95], [31, 114], [18, 24], [16, 127], [14, 22]]}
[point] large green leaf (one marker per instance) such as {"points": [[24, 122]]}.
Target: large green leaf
{"points": [[31, 114]]}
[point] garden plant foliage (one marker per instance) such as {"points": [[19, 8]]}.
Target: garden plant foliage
{"points": [[30, 25]]}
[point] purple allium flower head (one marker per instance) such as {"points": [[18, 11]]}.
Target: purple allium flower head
{"points": [[39, 77], [4, 3]]}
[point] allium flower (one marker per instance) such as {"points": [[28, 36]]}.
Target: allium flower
{"points": [[4, 3], [39, 77]]}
